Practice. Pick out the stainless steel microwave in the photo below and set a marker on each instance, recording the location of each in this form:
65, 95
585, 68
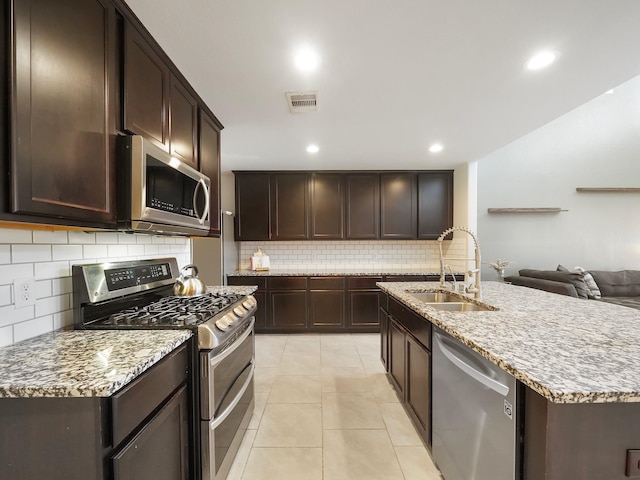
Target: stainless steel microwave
158, 193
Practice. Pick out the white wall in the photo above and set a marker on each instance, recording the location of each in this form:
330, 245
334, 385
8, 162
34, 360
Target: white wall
595, 145
48, 256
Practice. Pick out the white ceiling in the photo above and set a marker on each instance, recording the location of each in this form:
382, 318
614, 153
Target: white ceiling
395, 76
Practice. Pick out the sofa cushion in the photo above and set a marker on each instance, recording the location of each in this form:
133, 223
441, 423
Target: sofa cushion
592, 286
625, 283
572, 278
561, 288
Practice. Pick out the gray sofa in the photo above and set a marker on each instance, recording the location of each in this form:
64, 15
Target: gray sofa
620, 288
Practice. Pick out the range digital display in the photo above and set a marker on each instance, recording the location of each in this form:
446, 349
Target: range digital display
119, 278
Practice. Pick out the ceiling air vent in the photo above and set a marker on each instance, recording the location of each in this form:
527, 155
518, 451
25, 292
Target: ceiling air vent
302, 101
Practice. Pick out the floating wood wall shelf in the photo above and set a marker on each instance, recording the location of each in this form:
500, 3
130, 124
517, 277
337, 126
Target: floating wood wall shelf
526, 210
609, 189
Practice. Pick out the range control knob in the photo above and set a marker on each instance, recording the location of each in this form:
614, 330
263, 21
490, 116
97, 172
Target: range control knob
240, 311
230, 318
249, 303
222, 324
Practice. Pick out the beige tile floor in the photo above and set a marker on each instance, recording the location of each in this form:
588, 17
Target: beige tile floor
325, 411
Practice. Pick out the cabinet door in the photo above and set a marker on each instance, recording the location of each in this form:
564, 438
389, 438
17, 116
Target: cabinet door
362, 202
146, 89
418, 388
327, 206
289, 206
209, 154
160, 450
183, 123
398, 206
63, 115
288, 309
326, 308
261, 311
363, 308
397, 356
253, 213
435, 204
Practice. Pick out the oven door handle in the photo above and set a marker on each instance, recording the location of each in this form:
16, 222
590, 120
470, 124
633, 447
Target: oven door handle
227, 411
236, 344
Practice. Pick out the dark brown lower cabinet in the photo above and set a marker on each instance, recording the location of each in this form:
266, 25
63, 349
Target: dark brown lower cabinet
397, 360
288, 302
418, 387
363, 304
139, 433
166, 432
326, 302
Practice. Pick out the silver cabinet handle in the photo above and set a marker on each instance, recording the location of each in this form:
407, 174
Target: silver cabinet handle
470, 370
222, 417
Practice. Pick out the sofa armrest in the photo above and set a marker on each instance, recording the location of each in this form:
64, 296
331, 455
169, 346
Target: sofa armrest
543, 284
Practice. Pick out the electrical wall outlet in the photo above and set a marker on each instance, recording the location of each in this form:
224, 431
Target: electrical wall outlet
24, 292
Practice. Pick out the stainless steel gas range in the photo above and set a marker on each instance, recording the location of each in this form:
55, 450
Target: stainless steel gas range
139, 295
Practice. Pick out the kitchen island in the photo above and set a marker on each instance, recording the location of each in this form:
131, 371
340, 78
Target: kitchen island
576, 361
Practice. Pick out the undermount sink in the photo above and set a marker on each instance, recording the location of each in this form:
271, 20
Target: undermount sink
459, 307
435, 297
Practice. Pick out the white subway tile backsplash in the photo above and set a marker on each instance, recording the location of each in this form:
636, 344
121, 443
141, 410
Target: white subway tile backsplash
51, 305
61, 285
151, 249
5, 254
50, 237
67, 252
10, 315
32, 328
117, 250
81, 237
30, 253
142, 239
5, 295
52, 270
8, 235
94, 251
126, 238
43, 289
63, 319
138, 250
107, 238
6, 336
9, 272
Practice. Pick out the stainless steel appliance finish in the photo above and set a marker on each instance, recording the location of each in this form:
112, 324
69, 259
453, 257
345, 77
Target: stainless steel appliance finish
475, 433
139, 295
158, 193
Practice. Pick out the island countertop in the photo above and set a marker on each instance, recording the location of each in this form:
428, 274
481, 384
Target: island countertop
82, 363
568, 350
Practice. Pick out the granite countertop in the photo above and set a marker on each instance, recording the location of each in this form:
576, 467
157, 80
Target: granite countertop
82, 363
567, 349
241, 290
311, 272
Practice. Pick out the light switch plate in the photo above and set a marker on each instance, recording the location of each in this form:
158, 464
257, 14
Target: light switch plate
24, 292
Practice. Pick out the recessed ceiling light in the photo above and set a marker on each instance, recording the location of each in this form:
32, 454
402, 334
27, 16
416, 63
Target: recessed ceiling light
306, 59
542, 59
313, 149
435, 148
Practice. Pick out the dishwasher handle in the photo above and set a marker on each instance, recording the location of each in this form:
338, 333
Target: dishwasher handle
470, 370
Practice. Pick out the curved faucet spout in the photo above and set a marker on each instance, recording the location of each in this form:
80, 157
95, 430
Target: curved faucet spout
475, 289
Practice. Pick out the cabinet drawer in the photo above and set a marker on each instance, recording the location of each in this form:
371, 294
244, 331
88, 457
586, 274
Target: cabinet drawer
404, 278
326, 283
134, 403
362, 283
416, 325
288, 283
261, 282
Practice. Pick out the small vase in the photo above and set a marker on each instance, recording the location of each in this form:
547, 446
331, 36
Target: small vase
500, 275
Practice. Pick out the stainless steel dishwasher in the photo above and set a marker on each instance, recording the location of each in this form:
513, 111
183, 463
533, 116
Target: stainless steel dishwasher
475, 434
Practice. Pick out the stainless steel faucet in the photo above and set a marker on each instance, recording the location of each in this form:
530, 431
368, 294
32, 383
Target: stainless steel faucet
471, 288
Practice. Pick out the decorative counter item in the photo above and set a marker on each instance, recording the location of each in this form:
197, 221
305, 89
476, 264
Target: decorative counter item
499, 266
259, 261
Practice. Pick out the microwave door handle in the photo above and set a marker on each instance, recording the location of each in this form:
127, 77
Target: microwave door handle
203, 217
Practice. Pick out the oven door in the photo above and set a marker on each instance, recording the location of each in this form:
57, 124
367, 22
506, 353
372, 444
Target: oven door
227, 403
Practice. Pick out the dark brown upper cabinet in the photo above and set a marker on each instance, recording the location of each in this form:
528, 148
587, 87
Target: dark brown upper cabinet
289, 206
362, 203
209, 154
435, 204
398, 206
147, 81
253, 210
327, 206
156, 104
62, 118
183, 124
